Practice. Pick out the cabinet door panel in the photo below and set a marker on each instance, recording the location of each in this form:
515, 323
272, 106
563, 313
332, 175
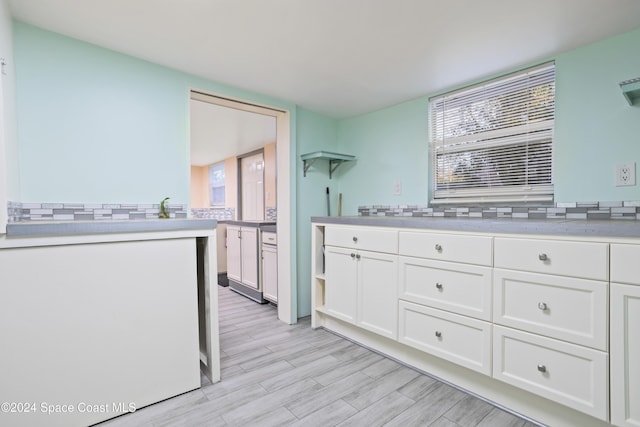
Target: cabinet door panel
569, 309
377, 293
458, 339
270, 273
625, 267
249, 237
460, 288
341, 277
365, 238
625, 355
569, 374
234, 256
587, 260
468, 249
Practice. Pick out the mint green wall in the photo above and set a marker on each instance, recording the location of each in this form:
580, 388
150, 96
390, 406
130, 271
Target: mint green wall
99, 126
10, 176
315, 132
595, 126
595, 129
390, 145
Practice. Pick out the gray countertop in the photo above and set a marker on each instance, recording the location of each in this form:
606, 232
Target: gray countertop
59, 228
584, 228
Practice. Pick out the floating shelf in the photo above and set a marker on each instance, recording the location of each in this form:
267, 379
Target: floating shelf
335, 160
631, 90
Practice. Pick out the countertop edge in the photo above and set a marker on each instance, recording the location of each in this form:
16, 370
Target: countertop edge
561, 227
66, 228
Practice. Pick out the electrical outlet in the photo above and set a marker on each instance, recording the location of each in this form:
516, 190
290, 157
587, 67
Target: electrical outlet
397, 188
625, 174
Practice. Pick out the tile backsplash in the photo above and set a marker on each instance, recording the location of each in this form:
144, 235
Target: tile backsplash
628, 210
221, 214
88, 211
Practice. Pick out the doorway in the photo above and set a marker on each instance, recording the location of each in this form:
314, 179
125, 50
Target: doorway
287, 309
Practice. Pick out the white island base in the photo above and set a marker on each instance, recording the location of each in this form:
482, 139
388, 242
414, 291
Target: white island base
96, 326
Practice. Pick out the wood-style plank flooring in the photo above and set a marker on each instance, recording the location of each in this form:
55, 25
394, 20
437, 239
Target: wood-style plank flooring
274, 374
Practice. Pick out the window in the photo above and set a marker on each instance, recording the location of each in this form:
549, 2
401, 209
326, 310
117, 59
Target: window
492, 142
216, 185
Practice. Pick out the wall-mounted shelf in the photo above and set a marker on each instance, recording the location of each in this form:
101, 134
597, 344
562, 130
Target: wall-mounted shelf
631, 90
335, 160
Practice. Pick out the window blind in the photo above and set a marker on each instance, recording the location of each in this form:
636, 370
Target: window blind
494, 141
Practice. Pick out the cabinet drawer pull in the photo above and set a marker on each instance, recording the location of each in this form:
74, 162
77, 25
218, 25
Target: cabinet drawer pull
438, 334
542, 368
355, 239
542, 306
439, 286
358, 256
543, 257
353, 255
438, 247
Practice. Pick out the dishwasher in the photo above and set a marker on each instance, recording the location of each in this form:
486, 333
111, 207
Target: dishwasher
270, 266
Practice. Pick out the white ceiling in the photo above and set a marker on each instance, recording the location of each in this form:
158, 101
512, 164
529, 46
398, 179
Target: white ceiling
218, 133
337, 57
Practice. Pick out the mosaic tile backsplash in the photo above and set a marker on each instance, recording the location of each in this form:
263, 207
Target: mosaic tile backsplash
88, 211
629, 210
220, 214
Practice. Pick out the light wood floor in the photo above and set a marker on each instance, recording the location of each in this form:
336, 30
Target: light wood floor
279, 375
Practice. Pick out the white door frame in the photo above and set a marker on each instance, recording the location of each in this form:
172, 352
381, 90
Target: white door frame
287, 294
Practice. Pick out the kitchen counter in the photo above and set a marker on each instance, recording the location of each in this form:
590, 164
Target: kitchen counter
564, 227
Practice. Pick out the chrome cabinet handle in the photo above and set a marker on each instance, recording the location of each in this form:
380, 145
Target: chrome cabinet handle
542, 306
358, 256
438, 248
439, 286
543, 257
542, 368
438, 334
355, 239
353, 255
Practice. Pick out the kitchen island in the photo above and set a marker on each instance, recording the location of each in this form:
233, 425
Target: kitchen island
100, 318
537, 316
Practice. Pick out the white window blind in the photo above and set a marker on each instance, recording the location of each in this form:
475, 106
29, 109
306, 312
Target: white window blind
493, 142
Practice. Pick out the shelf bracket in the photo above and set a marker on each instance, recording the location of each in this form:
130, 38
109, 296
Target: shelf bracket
631, 90
333, 165
306, 164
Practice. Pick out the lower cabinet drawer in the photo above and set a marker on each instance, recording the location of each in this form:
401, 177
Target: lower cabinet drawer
460, 288
569, 374
458, 339
574, 310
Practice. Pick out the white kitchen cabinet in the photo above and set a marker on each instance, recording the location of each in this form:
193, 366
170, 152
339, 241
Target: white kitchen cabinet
361, 284
540, 293
532, 317
625, 354
269, 267
243, 266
